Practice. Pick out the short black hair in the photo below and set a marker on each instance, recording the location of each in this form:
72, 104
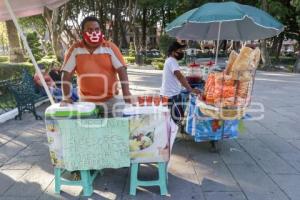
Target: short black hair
174, 47
89, 19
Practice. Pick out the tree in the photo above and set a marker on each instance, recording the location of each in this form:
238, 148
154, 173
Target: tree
35, 45
164, 43
15, 50
38, 25
266, 60
296, 4
3, 38
56, 22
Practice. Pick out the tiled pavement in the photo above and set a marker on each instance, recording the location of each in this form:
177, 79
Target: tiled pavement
262, 164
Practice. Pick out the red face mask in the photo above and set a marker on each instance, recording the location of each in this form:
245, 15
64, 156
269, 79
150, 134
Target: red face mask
94, 37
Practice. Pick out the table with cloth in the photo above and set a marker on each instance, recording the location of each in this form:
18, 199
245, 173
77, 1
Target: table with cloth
78, 140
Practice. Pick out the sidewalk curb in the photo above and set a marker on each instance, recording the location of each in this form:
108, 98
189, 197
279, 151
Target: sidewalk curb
11, 114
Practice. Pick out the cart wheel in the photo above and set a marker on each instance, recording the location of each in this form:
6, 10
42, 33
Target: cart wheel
214, 148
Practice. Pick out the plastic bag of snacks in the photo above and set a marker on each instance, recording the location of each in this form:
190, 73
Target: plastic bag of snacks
227, 94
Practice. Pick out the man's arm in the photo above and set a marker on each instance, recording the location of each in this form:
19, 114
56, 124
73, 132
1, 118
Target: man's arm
184, 82
66, 78
123, 77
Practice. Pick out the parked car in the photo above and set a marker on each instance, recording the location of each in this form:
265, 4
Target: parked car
153, 53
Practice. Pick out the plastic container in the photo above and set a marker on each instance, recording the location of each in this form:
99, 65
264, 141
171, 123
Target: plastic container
194, 73
78, 109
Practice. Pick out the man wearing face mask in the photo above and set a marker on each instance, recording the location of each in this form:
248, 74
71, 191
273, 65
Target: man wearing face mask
173, 80
98, 64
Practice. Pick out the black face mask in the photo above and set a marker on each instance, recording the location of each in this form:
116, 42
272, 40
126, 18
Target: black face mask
178, 55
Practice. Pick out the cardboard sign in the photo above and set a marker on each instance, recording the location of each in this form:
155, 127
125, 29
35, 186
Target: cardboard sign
95, 143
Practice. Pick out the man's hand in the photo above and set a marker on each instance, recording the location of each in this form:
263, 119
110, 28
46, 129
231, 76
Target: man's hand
128, 98
65, 102
196, 91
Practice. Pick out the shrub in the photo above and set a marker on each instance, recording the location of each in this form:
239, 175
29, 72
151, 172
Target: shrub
35, 45
161, 59
14, 70
4, 58
47, 61
148, 61
158, 65
129, 59
131, 50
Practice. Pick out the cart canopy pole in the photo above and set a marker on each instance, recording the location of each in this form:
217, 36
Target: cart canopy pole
218, 42
29, 51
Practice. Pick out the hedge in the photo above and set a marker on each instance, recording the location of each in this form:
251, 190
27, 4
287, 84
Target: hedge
149, 61
158, 65
129, 59
3, 59
14, 70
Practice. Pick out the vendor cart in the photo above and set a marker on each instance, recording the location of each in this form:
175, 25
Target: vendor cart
203, 128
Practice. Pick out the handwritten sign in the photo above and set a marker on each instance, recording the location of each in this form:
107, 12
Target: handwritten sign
95, 143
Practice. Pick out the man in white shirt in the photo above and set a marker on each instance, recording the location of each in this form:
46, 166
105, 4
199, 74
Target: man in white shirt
173, 80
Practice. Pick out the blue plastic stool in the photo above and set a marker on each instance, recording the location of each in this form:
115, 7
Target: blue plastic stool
87, 179
161, 181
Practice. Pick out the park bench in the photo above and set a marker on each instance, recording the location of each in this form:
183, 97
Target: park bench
26, 95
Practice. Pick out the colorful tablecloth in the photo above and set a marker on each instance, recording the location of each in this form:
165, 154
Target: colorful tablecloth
204, 128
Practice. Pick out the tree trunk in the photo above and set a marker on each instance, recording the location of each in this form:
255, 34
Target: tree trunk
236, 45
124, 43
132, 12
281, 38
15, 50
136, 39
115, 32
297, 65
144, 28
163, 21
55, 21
265, 56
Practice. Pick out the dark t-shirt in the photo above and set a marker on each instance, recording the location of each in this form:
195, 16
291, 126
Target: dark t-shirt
56, 76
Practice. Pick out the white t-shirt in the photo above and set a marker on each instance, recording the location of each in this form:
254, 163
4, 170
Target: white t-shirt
170, 84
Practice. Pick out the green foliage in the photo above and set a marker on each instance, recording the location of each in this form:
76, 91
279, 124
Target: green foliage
149, 61
34, 23
35, 45
129, 59
49, 48
14, 70
3, 35
164, 43
283, 60
158, 65
131, 50
4, 59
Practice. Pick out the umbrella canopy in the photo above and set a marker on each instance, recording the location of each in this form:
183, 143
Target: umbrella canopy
234, 21
24, 8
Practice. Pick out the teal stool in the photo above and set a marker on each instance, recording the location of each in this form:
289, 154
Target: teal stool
86, 176
161, 181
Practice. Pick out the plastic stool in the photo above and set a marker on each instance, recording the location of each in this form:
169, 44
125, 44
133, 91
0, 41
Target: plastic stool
161, 181
86, 181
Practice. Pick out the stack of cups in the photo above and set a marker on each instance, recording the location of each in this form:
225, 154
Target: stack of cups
152, 100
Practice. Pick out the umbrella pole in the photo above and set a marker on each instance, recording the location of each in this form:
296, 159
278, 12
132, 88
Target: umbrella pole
29, 51
218, 42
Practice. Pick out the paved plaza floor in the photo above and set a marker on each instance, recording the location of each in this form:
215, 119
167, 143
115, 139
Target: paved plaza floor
262, 164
